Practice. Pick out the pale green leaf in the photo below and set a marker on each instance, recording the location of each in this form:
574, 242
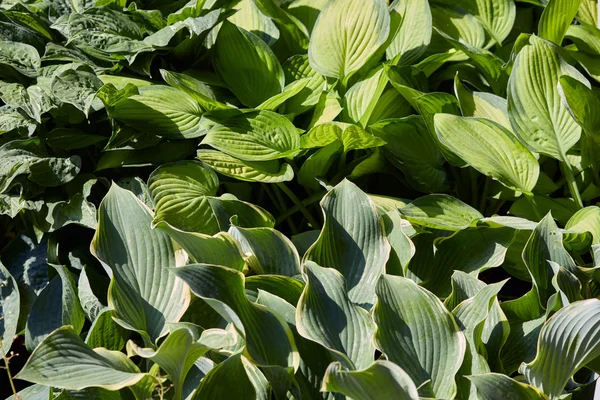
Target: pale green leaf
413, 33
352, 241
252, 171
497, 16
582, 103
381, 380
440, 211
586, 220
346, 35
63, 360
489, 148
492, 386
416, 332
556, 18
482, 105
327, 316
9, 310
143, 293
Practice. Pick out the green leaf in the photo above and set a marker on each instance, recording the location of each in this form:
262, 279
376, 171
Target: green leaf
9, 311
106, 333
180, 350
409, 146
269, 340
327, 316
267, 251
19, 57
536, 113
413, 33
318, 164
416, 332
556, 18
568, 341
352, 241
482, 105
496, 16
251, 384
489, 148
71, 139
582, 104
360, 100
179, 191
402, 248
164, 152
201, 92
440, 211
545, 245
381, 380
250, 18
161, 110
346, 35
77, 88
220, 249
255, 136
586, 220
57, 305
491, 386
62, 360
251, 171
247, 65
131, 252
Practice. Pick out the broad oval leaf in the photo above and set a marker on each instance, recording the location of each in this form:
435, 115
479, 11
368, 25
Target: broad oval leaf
63, 360
162, 110
556, 18
352, 241
414, 33
346, 35
252, 171
255, 136
440, 211
489, 148
492, 386
247, 65
536, 113
582, 104
381, 380
143, 292
416, 332
568, 341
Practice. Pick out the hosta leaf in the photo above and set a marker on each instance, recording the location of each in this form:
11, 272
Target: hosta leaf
482, 105
402, 248
255, 136
491, 386
106, 333
416, 332
464, 286
251, 384
77, 88
457, 24
289, 289
568, 341
247, 65
352, 241
291, 90
536, 113
195, 88
180, 350
251, 171
327, 108
327, 316
582, 104
544, 246
162, 110
586, 220
414, 33
56, 305
497, 16
63, 360
360, 100
381, 380
220, 249
317, 165
440, 211
179, 192
588, 12
19, 57
143, 292
9, 310
409, 146
269, 340
556, 18
346, 35
489, 148
267, 251
250, 18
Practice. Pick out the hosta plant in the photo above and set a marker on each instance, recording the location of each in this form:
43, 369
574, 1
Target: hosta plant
307, 199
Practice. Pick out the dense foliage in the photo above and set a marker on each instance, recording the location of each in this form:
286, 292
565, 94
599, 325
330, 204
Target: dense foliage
308, 199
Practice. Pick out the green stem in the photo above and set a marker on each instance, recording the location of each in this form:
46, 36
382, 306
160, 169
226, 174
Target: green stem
531, 200
306, 202
568, 172
7, 368
314, 223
